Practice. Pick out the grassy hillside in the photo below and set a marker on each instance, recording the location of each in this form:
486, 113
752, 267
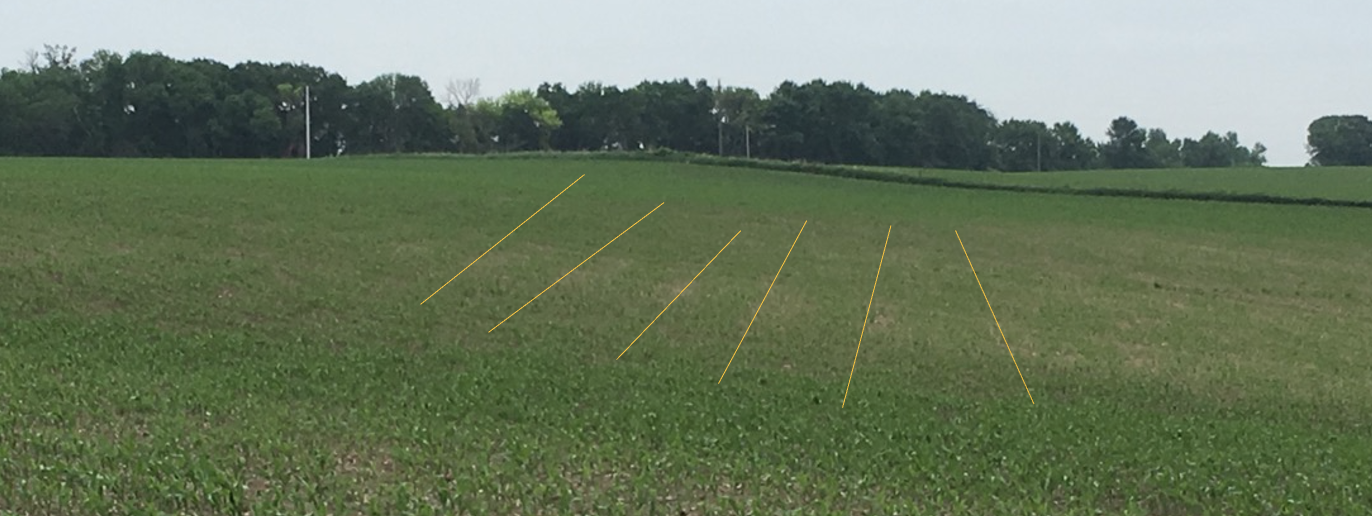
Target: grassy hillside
229, 337
1338, 183
1327, 186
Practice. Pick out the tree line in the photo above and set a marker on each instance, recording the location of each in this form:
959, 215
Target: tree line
149, 104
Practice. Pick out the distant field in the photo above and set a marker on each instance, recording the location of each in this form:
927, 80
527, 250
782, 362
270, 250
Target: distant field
231, 337
1338, 183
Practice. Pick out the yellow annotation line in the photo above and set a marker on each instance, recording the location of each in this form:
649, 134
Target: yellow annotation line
759, 305
588, 258
865, 317
502, 239
993, 317
678, 294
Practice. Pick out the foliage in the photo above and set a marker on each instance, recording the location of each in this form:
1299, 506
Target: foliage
1341, 141
523, 120
1021, 145
149, 104
1163, 152
1125, 147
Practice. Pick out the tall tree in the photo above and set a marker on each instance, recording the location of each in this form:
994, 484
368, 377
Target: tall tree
677, 115
526, 121
1125, 146
898, 129
1258, 156
739, 113
1213, 150
1209, 151
1023, 145
46, 104
397, 113
789, 111
1077, 152
1162, 151
955, 132
568, 135
1340, 140
848, 137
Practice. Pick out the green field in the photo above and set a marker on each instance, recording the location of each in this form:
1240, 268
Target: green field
1335, 183
234, 337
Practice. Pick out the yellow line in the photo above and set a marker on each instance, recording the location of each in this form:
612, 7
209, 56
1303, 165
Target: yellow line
993, 317
865, 317
502, 239
678, 294
588, 258
759, 305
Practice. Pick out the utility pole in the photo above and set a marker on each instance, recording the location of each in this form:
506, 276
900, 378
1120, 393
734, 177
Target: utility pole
1038, 151
308, 138
719, 119
390, 131
748, 140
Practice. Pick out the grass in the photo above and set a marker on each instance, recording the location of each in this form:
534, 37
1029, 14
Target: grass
214, 337
1336, 183
1317, 186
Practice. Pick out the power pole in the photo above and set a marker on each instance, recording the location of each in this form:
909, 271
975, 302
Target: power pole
390, 131
719, 120
1038, 151
748, 140
308, 137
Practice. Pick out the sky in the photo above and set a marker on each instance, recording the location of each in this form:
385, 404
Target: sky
1262, 68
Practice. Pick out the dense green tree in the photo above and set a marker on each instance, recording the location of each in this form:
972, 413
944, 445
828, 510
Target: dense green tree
1076, 152
898, 127
618, 124
1023, 145
594, 117
1257, 157
1213, 150
527, 121
848, 137
1241, 155
955, 132
46, 105
1207, 152
397, 113
789, 111
463, 126
569, 110
482, 119
675, 115
169, 106
1125, 146
1340, 140
248, 125
1162, 152
827, 122
103, 112
149, 104
329, 120
11, 109
739, 112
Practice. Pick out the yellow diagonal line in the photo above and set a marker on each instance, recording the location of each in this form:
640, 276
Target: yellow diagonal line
865, 317
993, 317
678, 294
759, 305
502, 239
588, 258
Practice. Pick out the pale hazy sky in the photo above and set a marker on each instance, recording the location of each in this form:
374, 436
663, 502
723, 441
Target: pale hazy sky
1263, 68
